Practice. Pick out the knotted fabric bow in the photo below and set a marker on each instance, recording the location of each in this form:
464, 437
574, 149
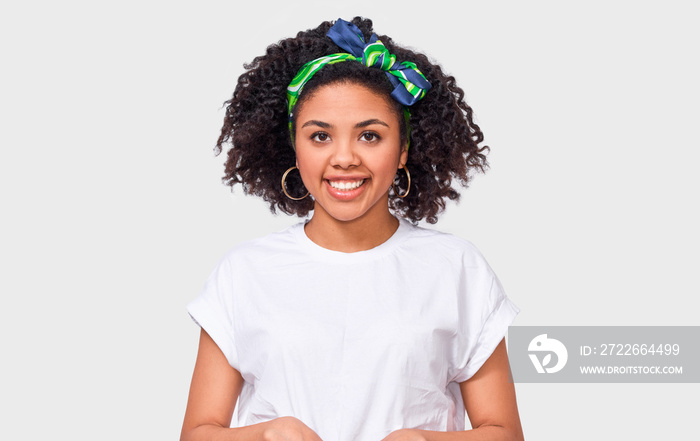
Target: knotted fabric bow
409, 83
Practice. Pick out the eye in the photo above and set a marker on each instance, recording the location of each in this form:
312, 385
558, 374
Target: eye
370, 137
320, 137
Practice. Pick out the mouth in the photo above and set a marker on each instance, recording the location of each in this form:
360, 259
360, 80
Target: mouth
346, 185
346, 189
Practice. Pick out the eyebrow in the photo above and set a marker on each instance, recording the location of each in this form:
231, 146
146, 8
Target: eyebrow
325, 125
370, 122
314, 122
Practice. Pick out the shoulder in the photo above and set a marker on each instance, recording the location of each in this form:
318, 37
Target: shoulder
262, 249
445, 247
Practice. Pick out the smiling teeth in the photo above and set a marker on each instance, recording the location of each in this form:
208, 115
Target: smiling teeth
346, 185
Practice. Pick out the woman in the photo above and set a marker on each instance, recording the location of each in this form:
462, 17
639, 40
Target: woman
355, 325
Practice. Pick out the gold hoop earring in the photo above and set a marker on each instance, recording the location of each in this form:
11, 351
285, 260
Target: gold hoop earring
284, 185
408, 187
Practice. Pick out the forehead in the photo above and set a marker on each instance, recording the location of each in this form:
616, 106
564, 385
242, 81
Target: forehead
346, 101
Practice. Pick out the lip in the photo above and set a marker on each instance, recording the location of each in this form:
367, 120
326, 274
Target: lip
345, 195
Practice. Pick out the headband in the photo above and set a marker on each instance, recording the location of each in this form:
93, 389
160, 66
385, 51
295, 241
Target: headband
409, 83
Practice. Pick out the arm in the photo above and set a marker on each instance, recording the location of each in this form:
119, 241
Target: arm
489, 398
213, 394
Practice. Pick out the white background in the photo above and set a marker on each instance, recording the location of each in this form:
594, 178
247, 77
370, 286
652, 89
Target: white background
113, 213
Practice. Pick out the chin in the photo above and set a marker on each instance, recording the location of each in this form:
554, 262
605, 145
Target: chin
346, 217
341, 214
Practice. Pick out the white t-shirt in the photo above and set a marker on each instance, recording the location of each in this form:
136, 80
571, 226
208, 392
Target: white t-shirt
355, 345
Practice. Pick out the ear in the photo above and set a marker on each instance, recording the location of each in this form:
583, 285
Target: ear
403, 157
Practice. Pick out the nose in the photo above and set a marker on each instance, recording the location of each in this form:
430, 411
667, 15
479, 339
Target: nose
344, 154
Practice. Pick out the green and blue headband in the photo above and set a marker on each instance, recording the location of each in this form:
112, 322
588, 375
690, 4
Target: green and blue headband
409, 83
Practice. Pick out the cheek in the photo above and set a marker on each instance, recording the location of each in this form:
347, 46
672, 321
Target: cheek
385, 171
390, 172
308, 167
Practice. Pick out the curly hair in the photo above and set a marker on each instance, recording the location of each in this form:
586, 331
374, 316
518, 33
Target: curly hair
444, 140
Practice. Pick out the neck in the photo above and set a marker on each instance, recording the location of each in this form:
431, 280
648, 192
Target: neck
358, 234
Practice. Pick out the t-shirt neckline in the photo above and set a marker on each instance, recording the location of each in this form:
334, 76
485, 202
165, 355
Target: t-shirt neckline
327, 255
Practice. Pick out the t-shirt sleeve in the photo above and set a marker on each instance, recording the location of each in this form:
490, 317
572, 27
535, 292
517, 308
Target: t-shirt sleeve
484, 319
213, 309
